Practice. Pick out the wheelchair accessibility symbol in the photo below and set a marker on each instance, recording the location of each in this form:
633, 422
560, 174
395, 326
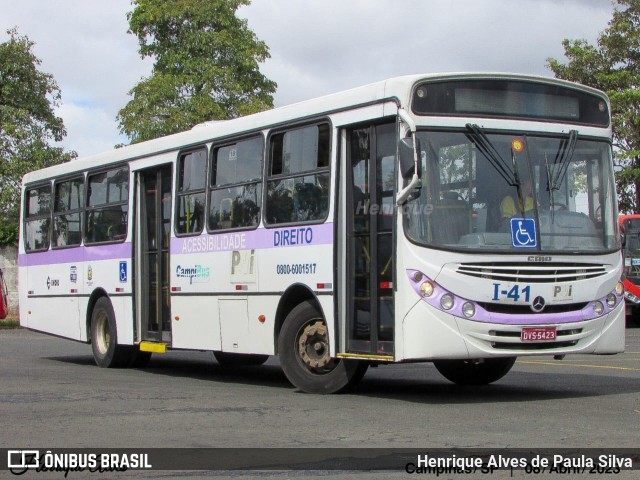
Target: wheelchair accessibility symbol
123, 272
523, 232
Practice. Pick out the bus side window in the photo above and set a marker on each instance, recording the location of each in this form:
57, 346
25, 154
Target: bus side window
298, 184
107, 206
67, 212
190, 197
236, 185
37, 225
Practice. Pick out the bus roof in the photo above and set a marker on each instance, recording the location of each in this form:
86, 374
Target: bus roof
396, 89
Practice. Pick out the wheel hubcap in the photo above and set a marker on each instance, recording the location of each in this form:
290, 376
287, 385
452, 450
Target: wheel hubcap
313, 347
102, 333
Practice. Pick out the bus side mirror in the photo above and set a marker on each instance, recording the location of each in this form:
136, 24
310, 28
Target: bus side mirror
407, 158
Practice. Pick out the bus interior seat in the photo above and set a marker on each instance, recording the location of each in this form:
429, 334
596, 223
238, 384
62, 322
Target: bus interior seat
225, 213
450, 218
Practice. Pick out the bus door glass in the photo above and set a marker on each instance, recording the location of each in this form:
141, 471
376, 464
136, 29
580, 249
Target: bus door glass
154, 228
370, 213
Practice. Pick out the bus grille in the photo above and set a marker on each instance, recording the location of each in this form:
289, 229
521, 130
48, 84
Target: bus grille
526, 309
542, 273
534, 346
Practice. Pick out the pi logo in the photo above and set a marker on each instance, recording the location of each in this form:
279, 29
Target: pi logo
523, 232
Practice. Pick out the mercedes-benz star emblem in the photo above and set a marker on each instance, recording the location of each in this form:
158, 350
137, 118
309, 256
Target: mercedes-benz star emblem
538, 304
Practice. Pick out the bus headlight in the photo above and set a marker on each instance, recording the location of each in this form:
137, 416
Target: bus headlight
611, 300
619, 288
426, 288
468, 309
631, 297
446, 301
598, 308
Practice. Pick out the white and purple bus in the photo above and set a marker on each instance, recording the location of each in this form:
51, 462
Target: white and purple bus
459, 219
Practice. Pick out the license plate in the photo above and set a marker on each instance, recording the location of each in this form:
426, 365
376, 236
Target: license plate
538, 334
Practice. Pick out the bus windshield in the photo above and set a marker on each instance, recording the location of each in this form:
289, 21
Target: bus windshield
478, 188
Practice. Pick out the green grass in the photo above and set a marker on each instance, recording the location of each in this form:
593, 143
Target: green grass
12, 321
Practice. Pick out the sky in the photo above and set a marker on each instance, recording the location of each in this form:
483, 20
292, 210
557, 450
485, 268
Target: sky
317, 47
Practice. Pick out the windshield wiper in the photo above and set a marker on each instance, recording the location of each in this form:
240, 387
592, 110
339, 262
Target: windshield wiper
562, 160
480, 139
510, 175
550, 189
521, 200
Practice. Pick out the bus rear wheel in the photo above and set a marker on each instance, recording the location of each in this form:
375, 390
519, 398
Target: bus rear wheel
475, 372
104, 337
303, 348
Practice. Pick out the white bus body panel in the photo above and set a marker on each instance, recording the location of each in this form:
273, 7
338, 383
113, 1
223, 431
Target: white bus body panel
58, 294
224, 283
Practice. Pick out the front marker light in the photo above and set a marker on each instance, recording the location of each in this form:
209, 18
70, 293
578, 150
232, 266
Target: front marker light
446, 301
598, 308
468, 309
619, 288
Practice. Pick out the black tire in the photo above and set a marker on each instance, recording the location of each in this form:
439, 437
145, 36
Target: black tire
303, 349
229, 359
104, 337
475, 372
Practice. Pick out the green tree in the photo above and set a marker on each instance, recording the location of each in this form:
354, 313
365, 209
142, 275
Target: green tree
27, 125
613, 65
206, 67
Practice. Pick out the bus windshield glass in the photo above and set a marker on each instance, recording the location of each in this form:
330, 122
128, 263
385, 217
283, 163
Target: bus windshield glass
483, 191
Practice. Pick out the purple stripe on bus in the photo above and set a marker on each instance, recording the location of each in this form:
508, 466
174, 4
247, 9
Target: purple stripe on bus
75, 255
255, 239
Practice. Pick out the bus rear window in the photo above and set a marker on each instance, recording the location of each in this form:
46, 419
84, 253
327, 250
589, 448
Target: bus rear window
510, 99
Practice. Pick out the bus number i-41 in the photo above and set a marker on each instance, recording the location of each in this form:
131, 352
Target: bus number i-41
514, 292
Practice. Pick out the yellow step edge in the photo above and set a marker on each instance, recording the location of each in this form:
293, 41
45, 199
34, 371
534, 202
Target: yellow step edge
153, 347
366, 356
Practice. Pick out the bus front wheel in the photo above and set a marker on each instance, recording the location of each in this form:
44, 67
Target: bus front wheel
104, 337
475, 372
303, 348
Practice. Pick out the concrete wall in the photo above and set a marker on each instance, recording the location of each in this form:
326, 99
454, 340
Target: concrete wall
9, 266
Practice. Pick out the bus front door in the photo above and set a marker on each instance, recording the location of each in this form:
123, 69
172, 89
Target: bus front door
152, 247
370, 184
